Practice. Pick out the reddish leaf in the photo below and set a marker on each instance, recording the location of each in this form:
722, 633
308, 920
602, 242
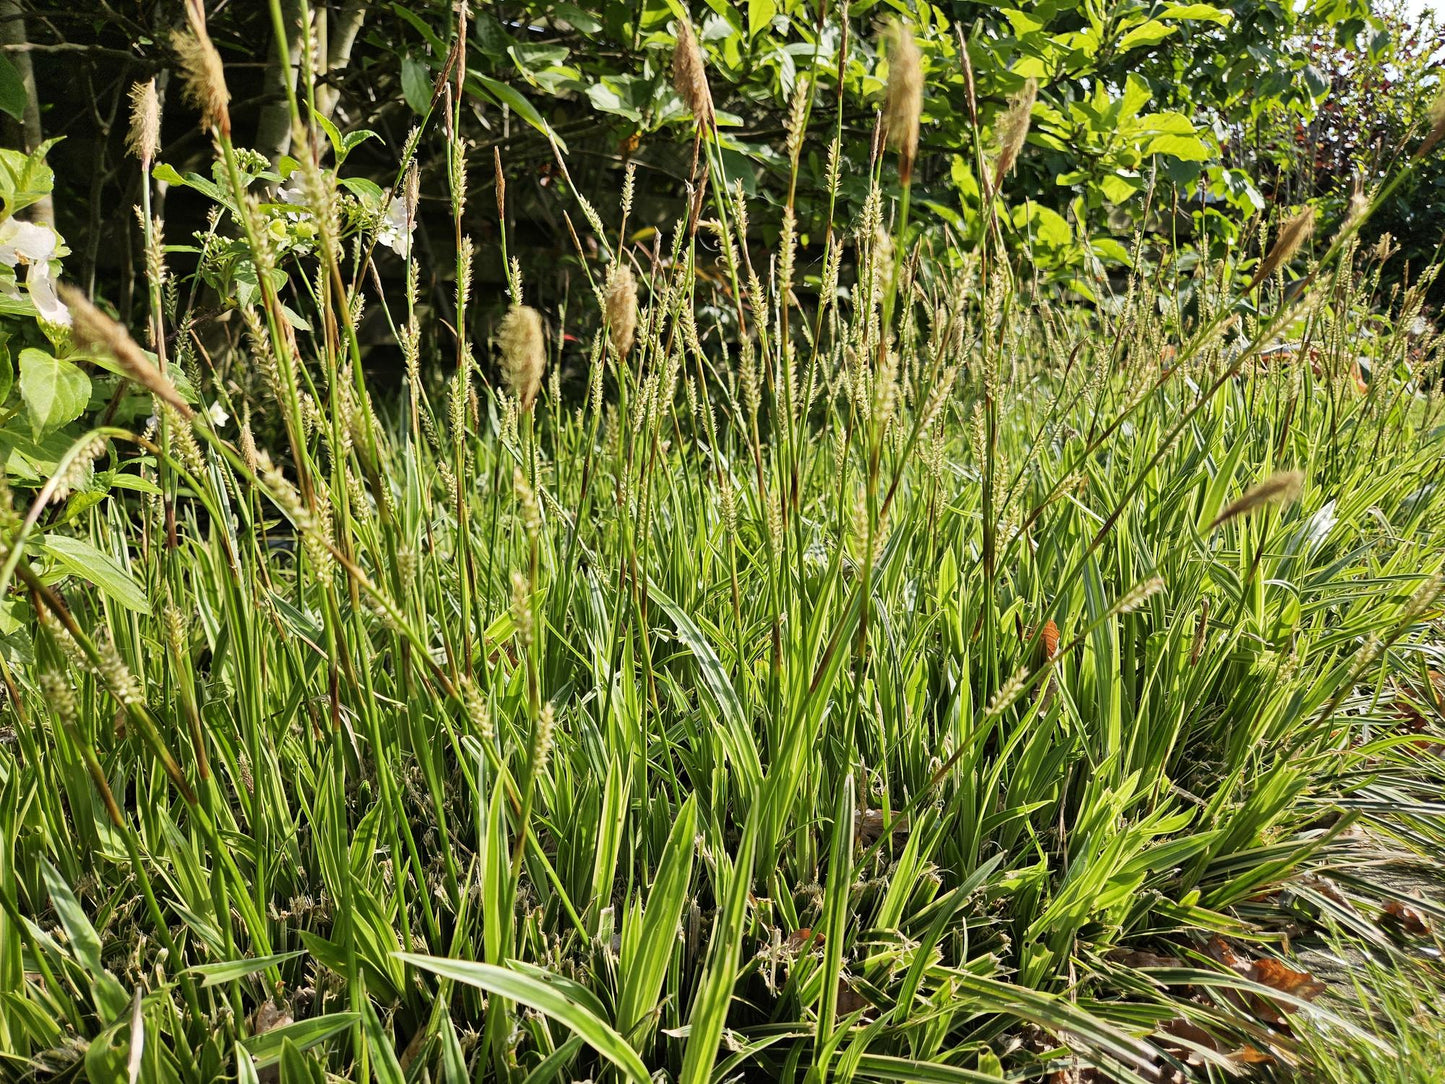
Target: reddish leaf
1406, 919
1300, 984
805, 937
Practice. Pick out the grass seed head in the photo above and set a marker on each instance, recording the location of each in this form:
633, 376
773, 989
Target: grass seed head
117, 675
56, 691
1292, 236
76, 470
524, 356
621, 308
202, 72
689, 75
903, 103
144, 137
95, 329
1277, 489
1013, 130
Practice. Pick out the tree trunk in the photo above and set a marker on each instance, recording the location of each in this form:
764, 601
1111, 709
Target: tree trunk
336, 30
12, 32
273, 129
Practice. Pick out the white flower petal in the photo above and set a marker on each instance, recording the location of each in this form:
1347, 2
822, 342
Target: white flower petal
42, 294
26, 241
395, 231
218, 416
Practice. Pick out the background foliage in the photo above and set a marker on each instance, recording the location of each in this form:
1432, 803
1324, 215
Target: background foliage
1186, 119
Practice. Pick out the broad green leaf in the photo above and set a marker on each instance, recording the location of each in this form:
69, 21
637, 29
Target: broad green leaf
1151, 33
7, 371
1118, 189
760, 15
1198, 13
1189, 148
416, 84
12, 90
368, 189
81, 559
55, 391
1045, 225
25, 178
545, 999
333, 135
517, 103
110, 997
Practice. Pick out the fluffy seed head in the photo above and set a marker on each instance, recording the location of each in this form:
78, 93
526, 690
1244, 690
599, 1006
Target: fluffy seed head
621, 308
904, 100
201, 70
95, 329
59, 695
75, 469
1293, 234
1277, 489
546, 721
1139, 595
117, 675
144, 137
524, 355
1013, 129
689, 75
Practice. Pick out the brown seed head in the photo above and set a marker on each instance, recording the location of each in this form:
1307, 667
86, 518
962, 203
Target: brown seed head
1294, 233
689, 75
1013, 129
144, 137
524, 355
1277, 489
201, 69
904, 100
94, 329
621, 308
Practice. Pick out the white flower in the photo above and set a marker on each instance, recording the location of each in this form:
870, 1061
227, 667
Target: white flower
217, 415
293, 192
42, 295
395, 231
25, 242
34, 245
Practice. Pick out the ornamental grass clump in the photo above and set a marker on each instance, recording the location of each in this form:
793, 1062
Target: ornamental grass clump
855, 665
